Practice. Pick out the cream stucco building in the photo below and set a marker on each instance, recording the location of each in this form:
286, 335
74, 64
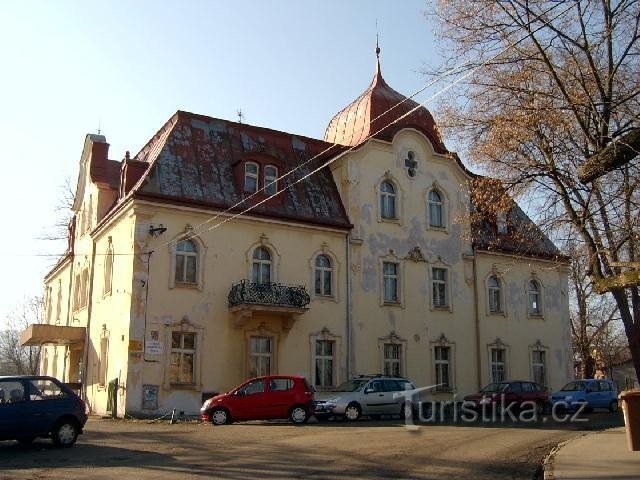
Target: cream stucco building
223, 251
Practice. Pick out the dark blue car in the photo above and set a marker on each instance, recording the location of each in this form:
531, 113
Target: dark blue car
39, 406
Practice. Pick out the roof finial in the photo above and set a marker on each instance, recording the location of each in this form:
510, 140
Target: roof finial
377, 45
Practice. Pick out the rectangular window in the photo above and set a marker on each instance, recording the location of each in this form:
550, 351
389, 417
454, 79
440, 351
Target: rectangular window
270, 180
498, 364
539, 367
183, 349
324, 363
390, 281
251, 177
443, 368
439, 284
260, 356
102, 366
393, 359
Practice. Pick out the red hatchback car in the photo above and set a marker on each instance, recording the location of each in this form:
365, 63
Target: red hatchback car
507, 393
262, 398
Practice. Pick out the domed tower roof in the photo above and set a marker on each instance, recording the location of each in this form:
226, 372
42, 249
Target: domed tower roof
373, 112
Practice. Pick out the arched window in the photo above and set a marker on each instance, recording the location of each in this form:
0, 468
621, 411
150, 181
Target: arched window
251, 171
186, 262
84, 295
323, 276
108, 270
436, 217
495, 294
261, 266
387, 200
270, 180
535, 308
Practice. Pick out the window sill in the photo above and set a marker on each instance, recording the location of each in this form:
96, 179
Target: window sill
397, 221
437, 228
183, 386
498, 314
389, 303
442, 308
536, 316
195, 286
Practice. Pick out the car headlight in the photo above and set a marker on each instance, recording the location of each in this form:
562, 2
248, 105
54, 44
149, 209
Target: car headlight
205, 405
484, 401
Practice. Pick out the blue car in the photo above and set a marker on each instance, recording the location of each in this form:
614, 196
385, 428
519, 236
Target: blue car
594, 393
39, 406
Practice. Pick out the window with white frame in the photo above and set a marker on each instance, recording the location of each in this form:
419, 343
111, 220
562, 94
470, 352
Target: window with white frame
270, 180
324, 373
186, 269
251, 171
183, 351
539, 367
388, 200
392, 359
260, 355
436, 214
498, 364
108, 270
390, 282
323, 272
261, 266
442, 362
535, 308
494, 288
439, 287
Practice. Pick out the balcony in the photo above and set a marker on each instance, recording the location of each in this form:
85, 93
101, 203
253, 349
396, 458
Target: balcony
44, 333
286, 302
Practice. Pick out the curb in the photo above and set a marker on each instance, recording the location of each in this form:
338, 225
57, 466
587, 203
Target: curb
547, 463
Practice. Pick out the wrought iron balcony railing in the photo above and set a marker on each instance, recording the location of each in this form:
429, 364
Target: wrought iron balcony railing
246, 292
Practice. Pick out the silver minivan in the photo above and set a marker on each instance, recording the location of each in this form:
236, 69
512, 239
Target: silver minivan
371, 395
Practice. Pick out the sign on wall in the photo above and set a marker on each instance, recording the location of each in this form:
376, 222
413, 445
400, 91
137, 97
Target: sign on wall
153, 345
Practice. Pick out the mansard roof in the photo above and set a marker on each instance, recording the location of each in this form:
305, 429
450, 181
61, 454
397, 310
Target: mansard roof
199, 160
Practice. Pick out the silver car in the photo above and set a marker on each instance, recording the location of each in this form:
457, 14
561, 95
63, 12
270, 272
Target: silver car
371, 395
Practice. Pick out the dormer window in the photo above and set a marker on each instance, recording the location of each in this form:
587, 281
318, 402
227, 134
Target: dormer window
270, 180
251, 171
501, 223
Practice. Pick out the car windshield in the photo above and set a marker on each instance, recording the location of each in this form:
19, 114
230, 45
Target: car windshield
352, 385
574, 386
494, 387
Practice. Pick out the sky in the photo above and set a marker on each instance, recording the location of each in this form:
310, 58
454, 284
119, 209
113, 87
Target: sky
124, 67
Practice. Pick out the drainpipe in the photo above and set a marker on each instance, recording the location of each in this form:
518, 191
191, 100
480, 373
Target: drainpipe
348, 302
88, 332
477, 322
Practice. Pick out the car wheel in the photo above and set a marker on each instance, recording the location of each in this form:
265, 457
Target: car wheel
220, 416
26, 440
541, 408
299, 414
613, 406
65, 434
352, 412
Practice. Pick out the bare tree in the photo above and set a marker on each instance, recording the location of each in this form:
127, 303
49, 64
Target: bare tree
14, 358
556, 83
63, 213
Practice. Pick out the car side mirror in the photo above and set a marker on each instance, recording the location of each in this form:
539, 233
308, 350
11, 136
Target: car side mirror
238, 393
368, 390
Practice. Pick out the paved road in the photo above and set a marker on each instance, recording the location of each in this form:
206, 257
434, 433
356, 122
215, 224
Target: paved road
385, 449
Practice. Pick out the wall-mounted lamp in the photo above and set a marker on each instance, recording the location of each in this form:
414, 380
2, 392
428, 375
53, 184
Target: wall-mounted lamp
156, 231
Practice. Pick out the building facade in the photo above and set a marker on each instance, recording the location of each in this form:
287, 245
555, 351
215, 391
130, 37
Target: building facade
223, 251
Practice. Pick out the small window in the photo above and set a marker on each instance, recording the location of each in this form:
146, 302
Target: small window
324, 363
387, 200
439, 287
261, 266
495, 294
390, 282
436, 217
108, 271
186, 262
323, 276
280, 384
183, 350
270, 180
251, 388
411, 164
251, 177
43, 389
443, 368
498, 364
534, 298
393, 359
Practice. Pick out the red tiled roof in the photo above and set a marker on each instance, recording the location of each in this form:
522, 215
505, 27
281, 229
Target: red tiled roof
378, 106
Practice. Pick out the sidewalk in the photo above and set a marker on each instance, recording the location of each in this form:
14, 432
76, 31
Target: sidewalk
595, 455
